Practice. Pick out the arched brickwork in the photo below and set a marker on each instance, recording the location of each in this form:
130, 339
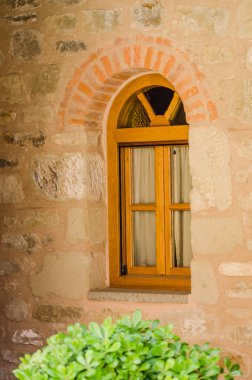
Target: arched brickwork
104, 72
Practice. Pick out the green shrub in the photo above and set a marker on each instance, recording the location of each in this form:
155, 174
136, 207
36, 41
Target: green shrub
130, 348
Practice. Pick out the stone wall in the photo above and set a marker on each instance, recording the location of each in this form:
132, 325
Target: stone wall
61, 61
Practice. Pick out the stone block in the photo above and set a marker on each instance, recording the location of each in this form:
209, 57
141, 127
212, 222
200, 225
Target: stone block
239, 312
244, 149
246, 202
97, 270
63, 275
101, 20
8, 163
244, 18
57, 313
215, 236
6, 116
11, 88
7, 268
38, 219
97, 219
26, 45
216, 54
24, 139
202, 20
68, 2
70, 46
242, 335
64, 23
11, 357
240, 103
27, 243
70, 138
21, 19
235, 269
46, 81
147, 14
28, 337
39, 113
2, 334
77, 224
11, 190
209, 164
249, 59
16, 310
70, 176
204, 283
23, 3
242, 290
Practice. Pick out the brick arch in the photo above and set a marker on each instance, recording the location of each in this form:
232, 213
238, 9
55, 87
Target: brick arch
96, 80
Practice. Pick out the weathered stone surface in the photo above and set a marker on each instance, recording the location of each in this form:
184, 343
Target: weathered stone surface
242, 176
22, 18
235, 269
10, 357
63, 23
215, 236
57, 313
246, 202
46, 81
7, 268
97, 20
23, 3
34, 219
209, 162
26, 44
72, 280
240, 104
6, 374
39, 113
249, 245
7, 116
244, 19
204, 283
68, 2
29, 336
16, 310
97, 219
2, 333
244, 149
72, 175
77, 224
11, 190
23, 139
1, 57
198, 20
215, 54
239, 313
70, 46
147, 13
249, 59
97, 270
27, 243
242, 335
242, 290
11, 88
8, 163
70, 138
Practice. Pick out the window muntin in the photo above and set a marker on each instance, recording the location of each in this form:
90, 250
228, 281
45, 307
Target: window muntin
128, 269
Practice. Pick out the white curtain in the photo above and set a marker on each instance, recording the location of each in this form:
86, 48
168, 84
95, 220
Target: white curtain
144, 222
181, 220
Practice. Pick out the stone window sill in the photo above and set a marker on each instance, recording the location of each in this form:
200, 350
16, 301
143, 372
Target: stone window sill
135, 295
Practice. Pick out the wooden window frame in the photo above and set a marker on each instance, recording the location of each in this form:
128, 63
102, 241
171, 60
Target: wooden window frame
160, 134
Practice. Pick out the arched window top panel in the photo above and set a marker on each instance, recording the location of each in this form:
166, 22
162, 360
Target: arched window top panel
152, 105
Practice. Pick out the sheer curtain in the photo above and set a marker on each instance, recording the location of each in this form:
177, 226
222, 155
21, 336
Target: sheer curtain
181, 186
144, 222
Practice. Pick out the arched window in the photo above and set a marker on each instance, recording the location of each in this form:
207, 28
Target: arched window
149, 186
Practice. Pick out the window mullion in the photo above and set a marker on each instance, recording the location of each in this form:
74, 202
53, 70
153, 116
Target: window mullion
167, 208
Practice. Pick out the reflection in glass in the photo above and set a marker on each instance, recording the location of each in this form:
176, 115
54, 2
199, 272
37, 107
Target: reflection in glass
181, 239
181, 182
144, 238
159, 98
143, 167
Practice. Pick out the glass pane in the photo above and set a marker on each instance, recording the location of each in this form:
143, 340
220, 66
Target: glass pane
133, 115
180, 117
143, 174
181, 238
159, 98
144, 238
181, 181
